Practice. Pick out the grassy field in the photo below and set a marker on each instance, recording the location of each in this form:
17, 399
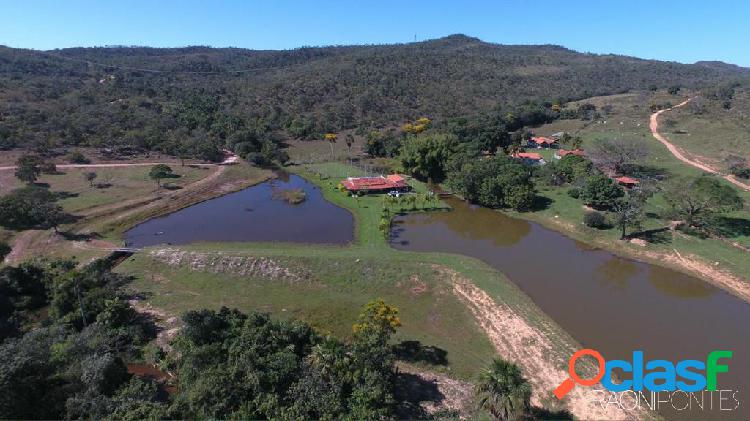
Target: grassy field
711, 133
628, 118
130, 197
337, 281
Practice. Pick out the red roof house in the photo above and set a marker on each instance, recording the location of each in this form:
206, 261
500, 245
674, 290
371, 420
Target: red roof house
542, 142
529, 158
627, 181
562, 153
376, 184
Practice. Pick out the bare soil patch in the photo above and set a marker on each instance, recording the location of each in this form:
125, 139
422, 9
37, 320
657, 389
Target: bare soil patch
518, 341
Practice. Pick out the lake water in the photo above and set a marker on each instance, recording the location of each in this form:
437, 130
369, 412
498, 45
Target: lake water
252, 214
605, 302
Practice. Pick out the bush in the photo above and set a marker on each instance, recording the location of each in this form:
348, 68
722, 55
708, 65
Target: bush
574, 192
77, 157
48, 168
595, 220
600, 192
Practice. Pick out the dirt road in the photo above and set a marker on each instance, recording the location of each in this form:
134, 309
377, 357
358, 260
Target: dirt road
230, 159
674, 150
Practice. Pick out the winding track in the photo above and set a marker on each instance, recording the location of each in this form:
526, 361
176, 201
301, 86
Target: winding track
674, 150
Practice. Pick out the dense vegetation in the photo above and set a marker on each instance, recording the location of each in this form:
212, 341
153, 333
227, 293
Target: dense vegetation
66, 335
195, 101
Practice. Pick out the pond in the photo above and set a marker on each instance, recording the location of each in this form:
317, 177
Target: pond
258, 213
605, 302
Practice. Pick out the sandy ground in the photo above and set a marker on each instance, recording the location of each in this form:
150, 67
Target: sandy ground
679, 154
517, 341
455, 395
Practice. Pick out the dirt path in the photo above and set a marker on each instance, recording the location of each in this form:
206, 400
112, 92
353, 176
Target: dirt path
679, 154
20, 246
516, 340
230, 159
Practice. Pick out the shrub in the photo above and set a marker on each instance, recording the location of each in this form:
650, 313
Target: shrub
574, 192
600, 192
595, 220
76, 157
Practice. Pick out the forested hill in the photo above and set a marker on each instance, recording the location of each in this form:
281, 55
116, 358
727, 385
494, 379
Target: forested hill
137, 95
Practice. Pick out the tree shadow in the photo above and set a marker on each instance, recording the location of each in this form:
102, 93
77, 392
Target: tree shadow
538, 413
727, 226
654, 236
415, 352
410, 390
72, 236
645, 171
540, 203
65, 195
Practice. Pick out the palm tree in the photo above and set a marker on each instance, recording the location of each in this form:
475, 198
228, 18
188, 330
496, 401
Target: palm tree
503, 392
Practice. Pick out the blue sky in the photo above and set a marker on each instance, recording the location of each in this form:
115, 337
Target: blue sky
685, 31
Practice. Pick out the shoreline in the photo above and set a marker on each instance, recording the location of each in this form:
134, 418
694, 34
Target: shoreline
722, 279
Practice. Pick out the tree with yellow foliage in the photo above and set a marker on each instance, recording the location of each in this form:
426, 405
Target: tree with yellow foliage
424, 121
331, 139
377, 317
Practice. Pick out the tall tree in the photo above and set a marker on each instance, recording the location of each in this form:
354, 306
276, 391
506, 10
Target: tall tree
628, 212
159, 172
695, 200
28, 168
90, 176
617, 155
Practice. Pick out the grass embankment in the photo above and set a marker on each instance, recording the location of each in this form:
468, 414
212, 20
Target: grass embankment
337, 281
628, 118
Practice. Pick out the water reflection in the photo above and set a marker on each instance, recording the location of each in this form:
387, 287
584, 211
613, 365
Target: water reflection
616, 272
252, 215
608, 303
682, 286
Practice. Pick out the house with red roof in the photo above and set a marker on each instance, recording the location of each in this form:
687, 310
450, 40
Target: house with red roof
627, 182
381, 184
562, 153
529, 158
542, 142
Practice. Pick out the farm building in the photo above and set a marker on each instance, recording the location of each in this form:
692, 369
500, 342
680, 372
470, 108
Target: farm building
529, 158
381, 184
542, 142
562, 153
627, 182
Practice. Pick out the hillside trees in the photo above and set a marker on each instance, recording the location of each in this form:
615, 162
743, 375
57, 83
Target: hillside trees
50, 101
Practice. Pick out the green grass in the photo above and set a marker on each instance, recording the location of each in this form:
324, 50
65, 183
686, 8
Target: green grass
629, 118
338, 281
